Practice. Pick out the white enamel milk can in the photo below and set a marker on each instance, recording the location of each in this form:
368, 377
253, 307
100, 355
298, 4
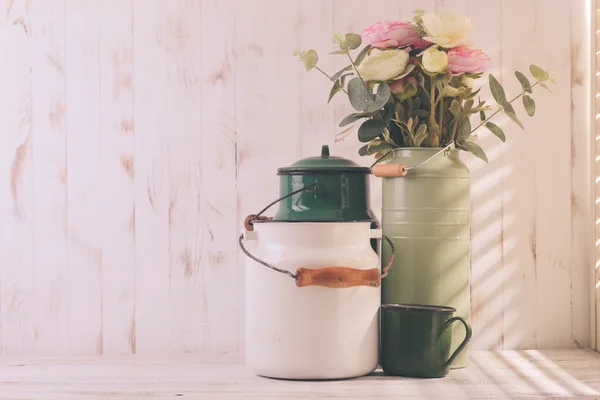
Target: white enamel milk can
313, 282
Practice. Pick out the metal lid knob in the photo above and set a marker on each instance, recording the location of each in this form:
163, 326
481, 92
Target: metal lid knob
325, 151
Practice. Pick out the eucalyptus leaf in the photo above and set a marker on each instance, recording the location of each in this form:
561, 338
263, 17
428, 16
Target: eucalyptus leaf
381, 98
539, 73
449, 91
365, 151
474, 149
529, 105
354, 117
310, 59
353, 40
422, 113
339, 52
496, 130
361, 56
542, 84
359, 96
334, 89
482, 115
464, 128
524, 82
421, 135
343, 79
510, 111
370, 129
345, 47
497, 91
455, 108
337, 75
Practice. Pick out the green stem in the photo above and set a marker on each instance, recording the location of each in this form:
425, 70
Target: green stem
441, 119
358, 73
327, 75
455, 125
432, 99
501, 108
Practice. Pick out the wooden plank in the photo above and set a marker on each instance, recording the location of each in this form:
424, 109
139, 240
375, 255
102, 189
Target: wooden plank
582, 215
117, 188
16, 181
267, 116
491, 375
50, 280
317, 127
458, 7
553, 190
220, 273
180, 49
520, 237
152, 191
486, 195
83, 177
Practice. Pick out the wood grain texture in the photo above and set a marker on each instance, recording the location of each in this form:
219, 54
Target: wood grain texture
487, 300
84, 169
51, 313
16, 182
117, 127
152, 191
219, 262
532, 374
136, 135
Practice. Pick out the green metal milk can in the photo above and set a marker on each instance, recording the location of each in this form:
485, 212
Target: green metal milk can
426, 214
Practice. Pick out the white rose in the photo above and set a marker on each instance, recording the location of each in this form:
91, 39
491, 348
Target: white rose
446, 30
383, 65
435, 61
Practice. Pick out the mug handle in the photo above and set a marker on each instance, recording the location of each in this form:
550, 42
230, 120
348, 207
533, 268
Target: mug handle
464, 342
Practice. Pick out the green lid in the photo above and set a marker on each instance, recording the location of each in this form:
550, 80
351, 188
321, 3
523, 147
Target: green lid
323, 164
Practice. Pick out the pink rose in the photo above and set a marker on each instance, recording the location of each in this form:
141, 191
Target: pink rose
464, 59
385, 34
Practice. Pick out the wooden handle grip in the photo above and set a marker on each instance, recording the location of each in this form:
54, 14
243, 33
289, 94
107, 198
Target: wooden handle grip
389, 170
338, 277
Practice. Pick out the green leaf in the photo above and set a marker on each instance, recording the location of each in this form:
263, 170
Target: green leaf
421, 135
353, 40
482, 115
310, 59
468, 105
449, 91
455, 108
381, 98
361, 56
345, 47
496, 130
529, 105
510, 111
472, 94
388, 138
421, 80
474, 149
378, 145
365, 151
370, 129
343, 79
354, 117
422, 113
497, 90
339, 52
337, 75
539, 73
542, 84
464, 128
359, 96
334, 89
524, 82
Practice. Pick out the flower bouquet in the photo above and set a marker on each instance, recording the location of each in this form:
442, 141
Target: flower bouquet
412, 85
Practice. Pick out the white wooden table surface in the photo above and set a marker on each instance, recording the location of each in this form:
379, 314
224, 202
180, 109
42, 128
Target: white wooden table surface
491, 375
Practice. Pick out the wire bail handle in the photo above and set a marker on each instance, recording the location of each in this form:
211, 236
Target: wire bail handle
395, 170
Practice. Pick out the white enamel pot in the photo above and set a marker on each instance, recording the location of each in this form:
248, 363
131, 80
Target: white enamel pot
312, 299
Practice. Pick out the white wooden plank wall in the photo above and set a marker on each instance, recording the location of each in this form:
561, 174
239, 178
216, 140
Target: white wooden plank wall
136, 135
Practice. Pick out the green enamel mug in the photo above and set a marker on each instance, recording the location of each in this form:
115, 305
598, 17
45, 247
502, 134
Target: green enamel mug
416, 340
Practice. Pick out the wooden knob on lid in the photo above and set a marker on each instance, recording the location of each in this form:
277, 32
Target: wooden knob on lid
389, 170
